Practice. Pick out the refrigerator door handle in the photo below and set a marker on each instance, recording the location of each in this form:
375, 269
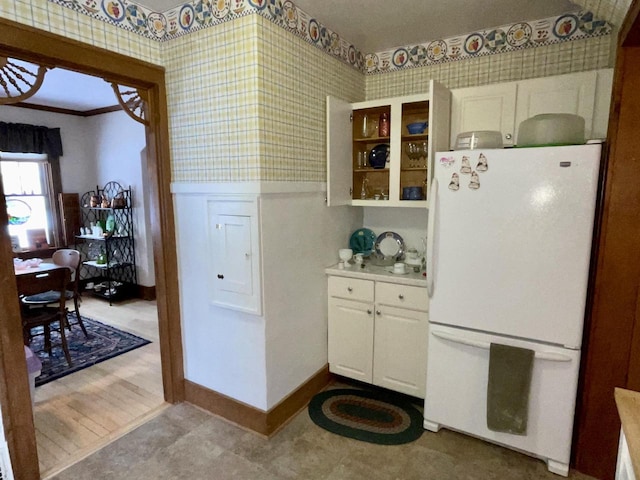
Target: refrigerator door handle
431, 225
551, 356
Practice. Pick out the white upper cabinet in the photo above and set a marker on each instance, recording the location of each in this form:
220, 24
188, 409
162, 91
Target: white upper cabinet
491, 107
399, 178
504, 106
574, 93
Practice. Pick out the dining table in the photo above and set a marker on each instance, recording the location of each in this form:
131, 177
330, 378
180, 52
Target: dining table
43, 267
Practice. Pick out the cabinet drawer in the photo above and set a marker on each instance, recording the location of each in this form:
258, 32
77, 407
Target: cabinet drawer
351, 288
404, 296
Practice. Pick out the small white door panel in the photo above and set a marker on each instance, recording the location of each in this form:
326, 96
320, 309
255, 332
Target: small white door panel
234, 242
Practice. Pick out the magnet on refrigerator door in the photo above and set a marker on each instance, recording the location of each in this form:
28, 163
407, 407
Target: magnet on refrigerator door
465, 168
474, 183
454, 184
482, 166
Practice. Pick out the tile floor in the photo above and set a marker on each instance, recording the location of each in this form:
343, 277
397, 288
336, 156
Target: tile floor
185, 442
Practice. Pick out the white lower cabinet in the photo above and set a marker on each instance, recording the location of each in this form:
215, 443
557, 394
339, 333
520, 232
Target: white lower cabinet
378, 333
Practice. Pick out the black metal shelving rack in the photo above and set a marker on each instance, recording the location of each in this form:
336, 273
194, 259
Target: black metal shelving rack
116, 279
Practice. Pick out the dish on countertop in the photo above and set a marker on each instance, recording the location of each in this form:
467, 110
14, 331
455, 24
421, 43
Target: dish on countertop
378, 155
406, 271
362, 241
389, 245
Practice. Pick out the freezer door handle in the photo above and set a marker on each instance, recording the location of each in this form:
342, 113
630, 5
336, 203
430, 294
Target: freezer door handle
551, 356
431, 225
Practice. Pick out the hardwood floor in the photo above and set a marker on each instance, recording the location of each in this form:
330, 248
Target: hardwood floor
79, 413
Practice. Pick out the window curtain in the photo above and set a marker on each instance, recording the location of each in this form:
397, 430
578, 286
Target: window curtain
23, 138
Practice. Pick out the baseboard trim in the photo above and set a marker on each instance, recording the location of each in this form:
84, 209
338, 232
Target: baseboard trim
264, 423
147, 293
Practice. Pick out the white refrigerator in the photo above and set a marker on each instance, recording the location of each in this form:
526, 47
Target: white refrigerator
508, 254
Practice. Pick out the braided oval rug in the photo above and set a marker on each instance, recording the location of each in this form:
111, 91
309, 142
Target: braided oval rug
370, 416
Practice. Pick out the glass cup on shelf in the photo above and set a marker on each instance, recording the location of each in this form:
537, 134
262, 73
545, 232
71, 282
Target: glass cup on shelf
424, 153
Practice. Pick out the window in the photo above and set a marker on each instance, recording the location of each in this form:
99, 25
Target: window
27, 184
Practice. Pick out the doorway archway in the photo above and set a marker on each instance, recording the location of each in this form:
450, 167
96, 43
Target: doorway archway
37, 46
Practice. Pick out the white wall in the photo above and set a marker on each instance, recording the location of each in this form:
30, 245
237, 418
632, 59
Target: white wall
260, 359
116, 147
77, 168
409, 223
300, 237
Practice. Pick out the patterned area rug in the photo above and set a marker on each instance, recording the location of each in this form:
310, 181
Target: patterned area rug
104, 342
375, 417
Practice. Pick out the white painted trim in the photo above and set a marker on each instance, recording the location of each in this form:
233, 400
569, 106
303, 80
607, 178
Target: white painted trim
243, 188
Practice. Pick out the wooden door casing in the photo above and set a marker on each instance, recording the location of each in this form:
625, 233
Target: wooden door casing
31, 44
611, 354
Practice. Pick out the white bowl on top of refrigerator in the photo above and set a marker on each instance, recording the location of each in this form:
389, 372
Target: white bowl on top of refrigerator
479, 139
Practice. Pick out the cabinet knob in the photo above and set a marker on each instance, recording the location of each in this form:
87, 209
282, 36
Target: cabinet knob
401, 297
378, 312
220, 276
508, 136
369, 312
349, 289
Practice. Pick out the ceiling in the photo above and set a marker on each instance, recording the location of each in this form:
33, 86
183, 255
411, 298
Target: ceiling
385, 25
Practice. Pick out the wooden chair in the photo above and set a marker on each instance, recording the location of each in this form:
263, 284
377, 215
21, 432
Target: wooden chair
43, 316
71, 259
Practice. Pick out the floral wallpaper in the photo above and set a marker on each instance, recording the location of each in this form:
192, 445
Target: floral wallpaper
198, 14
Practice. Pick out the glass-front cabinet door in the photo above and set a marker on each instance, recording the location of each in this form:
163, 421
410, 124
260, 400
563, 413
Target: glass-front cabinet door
379, 153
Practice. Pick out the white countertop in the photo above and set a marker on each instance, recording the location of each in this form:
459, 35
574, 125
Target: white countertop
381, 274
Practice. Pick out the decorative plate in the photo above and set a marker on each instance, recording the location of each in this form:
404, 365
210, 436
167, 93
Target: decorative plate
259, 4
221, 8
352, 55
335, 44
275, 9
589, 26
136, 17
362, 241
436, 50
473, 44
400, 57
454, 47
187, 14
19, 212
90, 6
314, 30
378, 155
290, 14
417, 55
371, 62
238, 6
565, 26
157, 24
114, 9
203, 12
519, 34
541, 31
325, 37
390, 245
496, 40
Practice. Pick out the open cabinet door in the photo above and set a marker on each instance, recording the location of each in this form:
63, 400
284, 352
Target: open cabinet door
70, 217
339, 152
